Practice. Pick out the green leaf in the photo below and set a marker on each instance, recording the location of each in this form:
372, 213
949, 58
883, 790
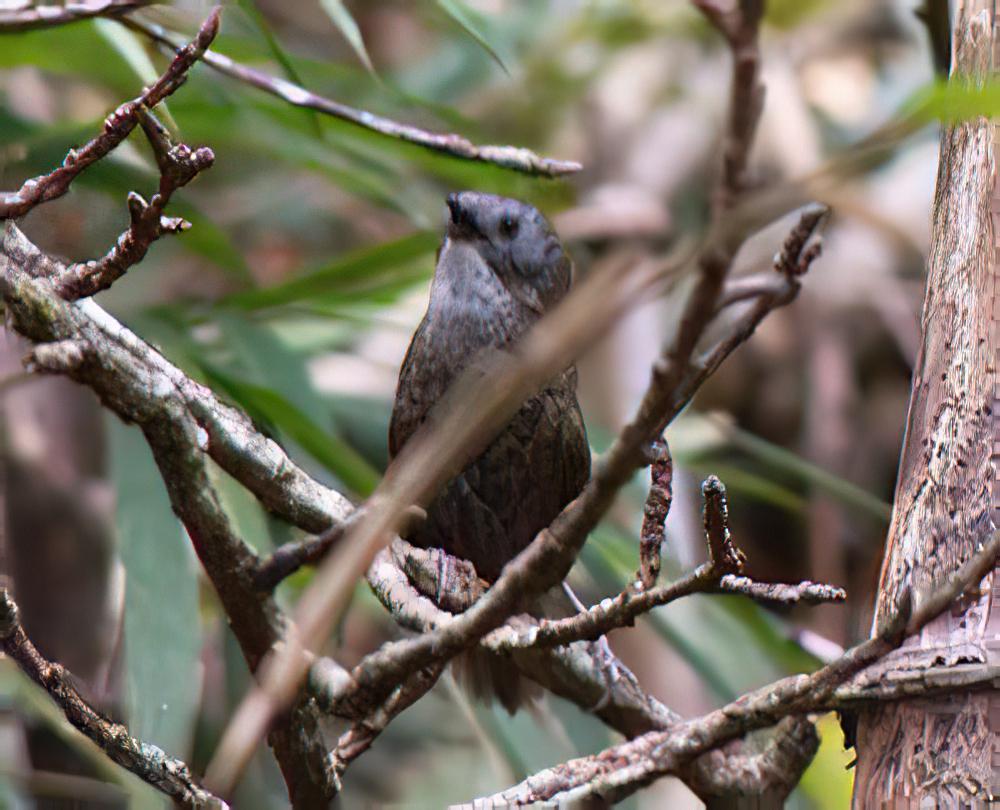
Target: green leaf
76, 50
341, 17
274, 409
282, 58
361, 269
162, 637
782, 460
954, 100
829, 779
465, 18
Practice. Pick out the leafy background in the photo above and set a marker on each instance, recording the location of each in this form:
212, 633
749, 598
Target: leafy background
296, 291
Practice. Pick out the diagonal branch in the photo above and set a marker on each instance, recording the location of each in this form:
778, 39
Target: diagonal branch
27, 16
117, 127
165, 773
508, 157
81, 341
578, 672
432, 457
179, 165
621, 770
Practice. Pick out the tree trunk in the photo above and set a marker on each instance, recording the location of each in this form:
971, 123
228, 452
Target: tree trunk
943, 749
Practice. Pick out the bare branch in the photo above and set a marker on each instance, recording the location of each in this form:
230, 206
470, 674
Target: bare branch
621, 770
121, 362
165, 773
179, 165
26, 16
509, 157
760, 285
723, 556
738, 21
358, 739
117, 126
142, 387
654, 513
444, 446
291, 556
797, 254
809, 593
578, 673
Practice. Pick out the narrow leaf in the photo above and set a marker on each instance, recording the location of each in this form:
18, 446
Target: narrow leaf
360, 266
465, 18
274, 409
162, 636
342, 18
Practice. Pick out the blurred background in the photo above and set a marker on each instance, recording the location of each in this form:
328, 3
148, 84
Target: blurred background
295, 294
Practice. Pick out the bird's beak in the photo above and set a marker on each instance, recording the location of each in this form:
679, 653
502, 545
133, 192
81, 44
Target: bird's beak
455, 207
462, 220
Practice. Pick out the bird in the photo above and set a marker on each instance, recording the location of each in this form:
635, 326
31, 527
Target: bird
500, 269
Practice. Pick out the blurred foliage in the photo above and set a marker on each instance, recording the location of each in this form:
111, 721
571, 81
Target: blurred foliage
313, 243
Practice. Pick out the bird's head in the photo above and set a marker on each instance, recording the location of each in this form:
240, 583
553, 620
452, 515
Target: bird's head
516, 242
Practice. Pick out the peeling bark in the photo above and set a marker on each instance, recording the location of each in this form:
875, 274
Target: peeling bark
940, 751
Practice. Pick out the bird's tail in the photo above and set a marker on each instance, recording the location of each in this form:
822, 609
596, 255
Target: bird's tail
489, 676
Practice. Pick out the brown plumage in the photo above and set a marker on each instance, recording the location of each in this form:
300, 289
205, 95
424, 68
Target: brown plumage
500, 269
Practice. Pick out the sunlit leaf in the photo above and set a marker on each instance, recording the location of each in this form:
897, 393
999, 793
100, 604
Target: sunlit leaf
786, 14
955, 100
829, 781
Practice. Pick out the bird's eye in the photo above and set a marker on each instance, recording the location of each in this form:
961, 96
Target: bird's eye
508, 226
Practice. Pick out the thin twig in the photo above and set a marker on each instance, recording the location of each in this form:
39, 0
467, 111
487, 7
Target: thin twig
293, 555
443, 448
428, 460
117, 126
797, 253
179, 165
577, 672
509, 157
775, 593
723, 556
29, 16
654, 513
621, 770
358, 739
165, 773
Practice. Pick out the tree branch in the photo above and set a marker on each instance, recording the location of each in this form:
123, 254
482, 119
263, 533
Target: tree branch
621, 770
165, 773
433, 456
117, 126
27, 16
179, 165
508, 157
654, 513
578, 672
81, 341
